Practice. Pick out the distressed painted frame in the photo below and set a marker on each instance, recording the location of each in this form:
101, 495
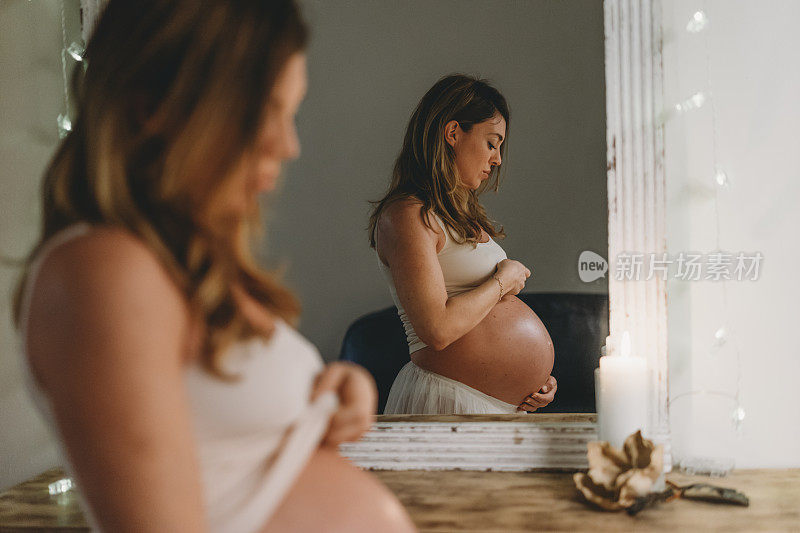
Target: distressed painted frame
636, 217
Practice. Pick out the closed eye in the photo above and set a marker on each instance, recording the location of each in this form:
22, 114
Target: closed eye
491, 146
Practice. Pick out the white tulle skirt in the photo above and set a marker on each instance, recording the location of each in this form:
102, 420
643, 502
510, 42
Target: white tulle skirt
421, 392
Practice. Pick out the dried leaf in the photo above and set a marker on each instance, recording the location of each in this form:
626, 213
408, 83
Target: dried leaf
635, 486
711, 493
606, 463
595, 493
618, 478
638, 450
650, 499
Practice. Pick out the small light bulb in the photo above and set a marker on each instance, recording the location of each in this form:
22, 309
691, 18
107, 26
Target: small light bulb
721, 178
60, 487
698, 22
693, 102
76, 51
737, 417
64, 126
698, 99
720, 338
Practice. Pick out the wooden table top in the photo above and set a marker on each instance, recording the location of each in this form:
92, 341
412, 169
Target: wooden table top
539, 501
499, 501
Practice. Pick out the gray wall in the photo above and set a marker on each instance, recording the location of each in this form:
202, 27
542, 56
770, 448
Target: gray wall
32, 96
369, 64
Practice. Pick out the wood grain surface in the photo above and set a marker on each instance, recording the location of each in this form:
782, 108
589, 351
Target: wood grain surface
537, 501
494, 501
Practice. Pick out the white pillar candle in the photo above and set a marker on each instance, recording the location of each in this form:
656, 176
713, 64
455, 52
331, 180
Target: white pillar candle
621, 394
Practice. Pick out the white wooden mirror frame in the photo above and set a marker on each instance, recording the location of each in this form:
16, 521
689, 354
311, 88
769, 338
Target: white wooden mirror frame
636, 215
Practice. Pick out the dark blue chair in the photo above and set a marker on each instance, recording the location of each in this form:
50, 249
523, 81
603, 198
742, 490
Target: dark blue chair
577, 323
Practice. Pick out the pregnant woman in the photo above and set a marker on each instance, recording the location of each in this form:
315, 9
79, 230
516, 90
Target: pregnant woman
475, 347
160, 354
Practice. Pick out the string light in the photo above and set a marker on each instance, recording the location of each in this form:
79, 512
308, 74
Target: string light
738, 416
61, 486
698, 23
76, 51
720, 336
695, 101
721, 178
63, 121
64, 125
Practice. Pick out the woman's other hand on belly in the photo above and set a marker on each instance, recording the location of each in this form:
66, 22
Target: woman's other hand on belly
542, 398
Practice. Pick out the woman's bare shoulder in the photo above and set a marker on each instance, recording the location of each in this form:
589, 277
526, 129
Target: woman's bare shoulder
105, 258
401, 229
100, 294
405, 217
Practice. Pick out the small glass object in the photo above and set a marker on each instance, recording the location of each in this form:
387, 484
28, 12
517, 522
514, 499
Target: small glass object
60, 487
698, 22
706, 466
704, 440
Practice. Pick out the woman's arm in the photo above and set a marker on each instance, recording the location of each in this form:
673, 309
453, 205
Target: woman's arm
106, 337
408, 247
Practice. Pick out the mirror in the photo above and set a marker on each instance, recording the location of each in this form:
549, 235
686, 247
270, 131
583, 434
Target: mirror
369, 65
636, 221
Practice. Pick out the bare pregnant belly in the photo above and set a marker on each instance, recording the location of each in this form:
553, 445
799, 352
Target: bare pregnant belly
331, 494
508, 355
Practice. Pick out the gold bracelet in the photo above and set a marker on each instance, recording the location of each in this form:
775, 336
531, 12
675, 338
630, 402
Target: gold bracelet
501, 287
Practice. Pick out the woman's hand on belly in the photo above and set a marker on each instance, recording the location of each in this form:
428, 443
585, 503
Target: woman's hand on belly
512, 276
542, 398
507, 355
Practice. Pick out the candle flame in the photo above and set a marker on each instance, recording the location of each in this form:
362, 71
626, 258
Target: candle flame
625, 347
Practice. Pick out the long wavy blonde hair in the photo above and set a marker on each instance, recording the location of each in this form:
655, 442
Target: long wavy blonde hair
168, 113
426, 169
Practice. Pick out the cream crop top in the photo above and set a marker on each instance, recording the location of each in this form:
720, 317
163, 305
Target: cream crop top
253, 436
464, 267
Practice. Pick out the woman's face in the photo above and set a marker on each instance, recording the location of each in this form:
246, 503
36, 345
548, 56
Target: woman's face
477, 150
277, 139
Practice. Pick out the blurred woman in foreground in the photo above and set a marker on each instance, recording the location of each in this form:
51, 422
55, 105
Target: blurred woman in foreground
163, 357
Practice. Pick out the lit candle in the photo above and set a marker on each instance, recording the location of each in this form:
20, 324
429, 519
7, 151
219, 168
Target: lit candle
621, 393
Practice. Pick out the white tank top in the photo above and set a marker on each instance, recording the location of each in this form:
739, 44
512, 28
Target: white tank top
464, 267
253, 435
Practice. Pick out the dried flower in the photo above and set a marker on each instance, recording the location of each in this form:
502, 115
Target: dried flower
616, 478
